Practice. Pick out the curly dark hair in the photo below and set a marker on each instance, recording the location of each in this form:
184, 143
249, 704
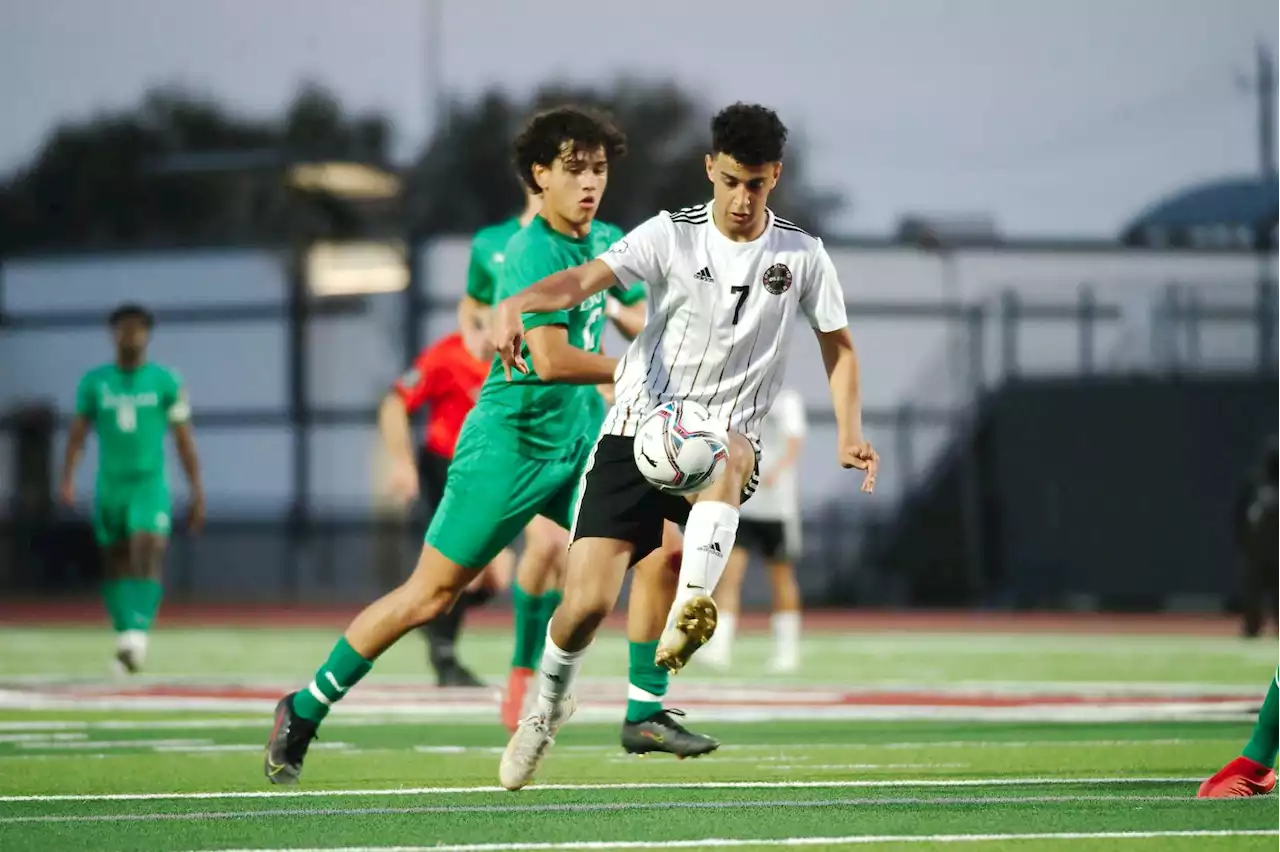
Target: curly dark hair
543, 138
751, 134
131, 310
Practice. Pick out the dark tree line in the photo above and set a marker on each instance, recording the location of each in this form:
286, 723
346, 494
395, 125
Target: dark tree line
181, 169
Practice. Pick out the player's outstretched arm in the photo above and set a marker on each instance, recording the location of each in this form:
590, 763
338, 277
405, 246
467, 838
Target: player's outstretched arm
76, 437
565, 289
555, 359
557, 292
841, 360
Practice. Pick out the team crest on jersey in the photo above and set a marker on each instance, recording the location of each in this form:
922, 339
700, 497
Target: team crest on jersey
777, 279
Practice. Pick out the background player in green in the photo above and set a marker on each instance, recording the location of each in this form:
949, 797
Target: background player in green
525, 445
535, 593
130, 405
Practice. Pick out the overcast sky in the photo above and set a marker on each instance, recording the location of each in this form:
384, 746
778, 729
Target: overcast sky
1062, 118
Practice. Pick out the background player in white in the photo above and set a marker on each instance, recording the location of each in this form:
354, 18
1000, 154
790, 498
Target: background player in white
769, 528
726, 281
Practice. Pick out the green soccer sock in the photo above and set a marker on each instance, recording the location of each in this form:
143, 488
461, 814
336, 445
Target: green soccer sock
648, 682
532, 615
150, 593
343, 670
138, 601
111, 597
1262, 745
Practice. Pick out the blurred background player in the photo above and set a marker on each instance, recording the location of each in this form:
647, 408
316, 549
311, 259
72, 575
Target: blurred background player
1255, 527
446, 378
130, 405
769, 527
1253, 772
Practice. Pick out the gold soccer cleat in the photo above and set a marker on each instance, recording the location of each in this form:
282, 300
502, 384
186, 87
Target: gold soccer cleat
693, 628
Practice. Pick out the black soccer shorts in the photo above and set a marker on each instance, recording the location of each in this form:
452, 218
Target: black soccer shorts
617, 502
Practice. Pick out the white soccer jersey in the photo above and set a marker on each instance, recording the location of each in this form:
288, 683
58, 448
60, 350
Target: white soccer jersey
777, 498
720, 315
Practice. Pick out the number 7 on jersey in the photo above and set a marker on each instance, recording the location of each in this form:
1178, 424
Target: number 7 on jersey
741, 290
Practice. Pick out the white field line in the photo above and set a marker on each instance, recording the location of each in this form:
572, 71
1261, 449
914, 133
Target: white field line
712, 684
746, 843
579, 807
485, 713
702, 785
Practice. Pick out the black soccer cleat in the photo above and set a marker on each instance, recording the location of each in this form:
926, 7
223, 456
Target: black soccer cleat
287, 748
127, 662
453, 673
660, 732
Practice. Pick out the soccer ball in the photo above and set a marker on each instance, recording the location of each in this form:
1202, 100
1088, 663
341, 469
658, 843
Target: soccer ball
680, 449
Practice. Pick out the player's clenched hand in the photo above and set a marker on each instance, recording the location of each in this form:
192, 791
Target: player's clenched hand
402, 481
508, 338
859, 454
67, 492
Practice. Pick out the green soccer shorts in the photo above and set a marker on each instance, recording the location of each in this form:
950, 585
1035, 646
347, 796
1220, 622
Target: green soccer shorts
494, 490
125, 509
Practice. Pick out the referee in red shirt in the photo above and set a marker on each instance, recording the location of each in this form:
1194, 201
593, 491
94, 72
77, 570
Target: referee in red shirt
446, 378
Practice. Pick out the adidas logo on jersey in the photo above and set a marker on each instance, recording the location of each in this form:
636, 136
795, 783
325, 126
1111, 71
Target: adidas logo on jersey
704, 274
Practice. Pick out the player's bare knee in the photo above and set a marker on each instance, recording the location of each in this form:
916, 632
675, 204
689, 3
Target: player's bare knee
742, 459
432, 588
738, 469
547, 548
420, 605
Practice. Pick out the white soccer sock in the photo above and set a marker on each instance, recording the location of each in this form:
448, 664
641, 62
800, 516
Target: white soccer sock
719, 649
708, 541
556, 674
786, 634
134, 641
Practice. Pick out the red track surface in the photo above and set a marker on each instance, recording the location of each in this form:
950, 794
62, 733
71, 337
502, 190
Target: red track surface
179, 614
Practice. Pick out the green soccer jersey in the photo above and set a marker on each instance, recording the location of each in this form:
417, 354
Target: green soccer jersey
548, 418
130, 412
488, 253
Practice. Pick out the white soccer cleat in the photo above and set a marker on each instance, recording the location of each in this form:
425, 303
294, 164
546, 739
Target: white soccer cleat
131, 653
536, 734
784, 664
694, 626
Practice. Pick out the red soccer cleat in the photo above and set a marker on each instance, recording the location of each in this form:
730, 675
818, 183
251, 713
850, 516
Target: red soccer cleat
513, 698
1241, 777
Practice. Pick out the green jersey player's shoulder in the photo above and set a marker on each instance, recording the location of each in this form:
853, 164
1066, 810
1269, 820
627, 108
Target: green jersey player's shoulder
98, 373
167, 374
98, 370
610, 232
493, 238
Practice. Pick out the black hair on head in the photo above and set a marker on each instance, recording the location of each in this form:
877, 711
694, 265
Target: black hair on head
543, 138
751, 134
131, 310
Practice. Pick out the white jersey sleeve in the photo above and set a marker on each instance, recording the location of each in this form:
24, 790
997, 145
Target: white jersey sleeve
822, 298
644, 254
